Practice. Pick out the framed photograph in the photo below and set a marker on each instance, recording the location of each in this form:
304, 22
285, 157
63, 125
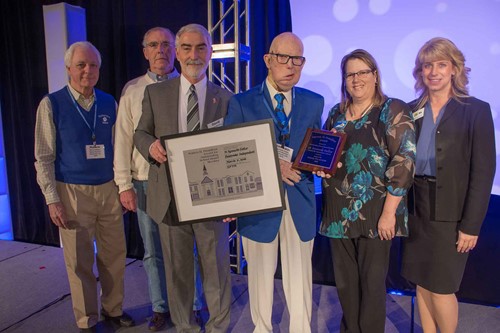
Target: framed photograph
224, 172
320, 151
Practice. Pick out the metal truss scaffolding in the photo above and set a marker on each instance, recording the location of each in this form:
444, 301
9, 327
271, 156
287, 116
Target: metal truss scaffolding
228, 24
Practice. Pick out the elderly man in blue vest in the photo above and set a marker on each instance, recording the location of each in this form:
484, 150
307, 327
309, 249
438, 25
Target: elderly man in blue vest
74, 164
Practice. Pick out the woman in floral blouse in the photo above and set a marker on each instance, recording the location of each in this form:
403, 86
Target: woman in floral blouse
363, 204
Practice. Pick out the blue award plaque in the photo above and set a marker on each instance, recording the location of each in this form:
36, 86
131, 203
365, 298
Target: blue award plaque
320, 151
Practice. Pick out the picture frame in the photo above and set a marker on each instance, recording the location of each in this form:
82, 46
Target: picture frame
224, 172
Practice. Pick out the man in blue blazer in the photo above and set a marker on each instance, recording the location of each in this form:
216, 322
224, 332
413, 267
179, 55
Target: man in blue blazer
293, 110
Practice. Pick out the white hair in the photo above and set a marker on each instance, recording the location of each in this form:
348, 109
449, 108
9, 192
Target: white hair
68, 55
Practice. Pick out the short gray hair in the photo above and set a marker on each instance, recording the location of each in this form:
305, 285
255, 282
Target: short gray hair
193, 27
168, 31
68, 55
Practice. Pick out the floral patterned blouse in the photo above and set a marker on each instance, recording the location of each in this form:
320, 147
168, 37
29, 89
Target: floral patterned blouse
378, 157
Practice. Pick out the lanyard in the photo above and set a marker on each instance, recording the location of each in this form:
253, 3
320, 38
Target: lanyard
83, 117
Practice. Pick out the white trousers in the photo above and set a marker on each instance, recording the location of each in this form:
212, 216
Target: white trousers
262, 260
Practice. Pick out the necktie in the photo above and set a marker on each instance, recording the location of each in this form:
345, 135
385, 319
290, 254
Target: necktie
282, 120
193, 114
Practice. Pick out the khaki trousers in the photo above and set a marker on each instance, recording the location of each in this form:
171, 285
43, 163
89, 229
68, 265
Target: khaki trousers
93, 213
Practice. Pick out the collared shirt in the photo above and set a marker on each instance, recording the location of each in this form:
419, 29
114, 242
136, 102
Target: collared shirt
425, 162
173, 74
85, 103
287, 102
128, 162
45, 144
201, 92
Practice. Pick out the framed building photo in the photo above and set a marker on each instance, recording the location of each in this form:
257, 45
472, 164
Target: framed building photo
224, 172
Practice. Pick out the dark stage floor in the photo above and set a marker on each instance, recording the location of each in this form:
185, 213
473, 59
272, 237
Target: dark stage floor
34, 297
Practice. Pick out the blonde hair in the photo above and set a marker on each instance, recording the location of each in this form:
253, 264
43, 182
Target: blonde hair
367, 58
436, 49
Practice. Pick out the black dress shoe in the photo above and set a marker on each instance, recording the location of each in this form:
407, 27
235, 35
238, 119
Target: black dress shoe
124, 320
88, 330
197, 317
158, 320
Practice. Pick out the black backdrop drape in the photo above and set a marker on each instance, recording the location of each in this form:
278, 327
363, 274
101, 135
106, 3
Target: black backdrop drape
116, 28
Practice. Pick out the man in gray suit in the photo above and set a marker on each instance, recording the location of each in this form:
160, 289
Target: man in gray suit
174, 106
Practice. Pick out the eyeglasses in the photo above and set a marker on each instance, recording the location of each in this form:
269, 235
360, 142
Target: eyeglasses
284, 58
154, 45
363, 74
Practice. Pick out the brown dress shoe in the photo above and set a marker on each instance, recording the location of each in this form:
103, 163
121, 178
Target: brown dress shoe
158, 321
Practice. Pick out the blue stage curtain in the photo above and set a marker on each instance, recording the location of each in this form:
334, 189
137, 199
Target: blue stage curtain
268, 18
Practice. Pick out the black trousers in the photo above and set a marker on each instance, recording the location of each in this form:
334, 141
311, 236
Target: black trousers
360, 268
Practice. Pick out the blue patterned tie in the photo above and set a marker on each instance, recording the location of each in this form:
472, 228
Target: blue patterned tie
282, 120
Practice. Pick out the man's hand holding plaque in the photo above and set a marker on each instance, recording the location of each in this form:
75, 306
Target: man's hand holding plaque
320, 152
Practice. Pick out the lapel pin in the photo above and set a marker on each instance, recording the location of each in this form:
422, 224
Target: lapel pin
214, 100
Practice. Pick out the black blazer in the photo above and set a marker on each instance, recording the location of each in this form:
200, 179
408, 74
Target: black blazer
465, 162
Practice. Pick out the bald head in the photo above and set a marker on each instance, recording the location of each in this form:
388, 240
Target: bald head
286, 38
285, 61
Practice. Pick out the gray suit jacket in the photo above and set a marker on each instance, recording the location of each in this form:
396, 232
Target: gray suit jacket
160, 117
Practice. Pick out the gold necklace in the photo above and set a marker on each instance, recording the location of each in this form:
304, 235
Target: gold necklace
362, 114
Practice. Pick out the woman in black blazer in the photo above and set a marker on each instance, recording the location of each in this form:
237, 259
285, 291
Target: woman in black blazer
455, 166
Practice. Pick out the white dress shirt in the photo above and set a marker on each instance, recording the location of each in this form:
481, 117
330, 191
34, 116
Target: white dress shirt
201, 92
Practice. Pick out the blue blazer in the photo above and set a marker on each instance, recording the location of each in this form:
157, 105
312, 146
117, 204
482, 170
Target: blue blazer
307, 108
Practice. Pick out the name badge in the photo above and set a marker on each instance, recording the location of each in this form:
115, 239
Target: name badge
94, 152
217, 123
418, 114
285, 153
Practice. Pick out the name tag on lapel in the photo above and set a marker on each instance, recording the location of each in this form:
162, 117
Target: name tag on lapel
217, 123
418, 114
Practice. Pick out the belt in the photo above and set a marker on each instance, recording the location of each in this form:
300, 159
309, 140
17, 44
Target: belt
430, 179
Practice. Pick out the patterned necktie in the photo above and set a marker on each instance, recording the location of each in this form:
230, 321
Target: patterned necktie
193, 113
282, 120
